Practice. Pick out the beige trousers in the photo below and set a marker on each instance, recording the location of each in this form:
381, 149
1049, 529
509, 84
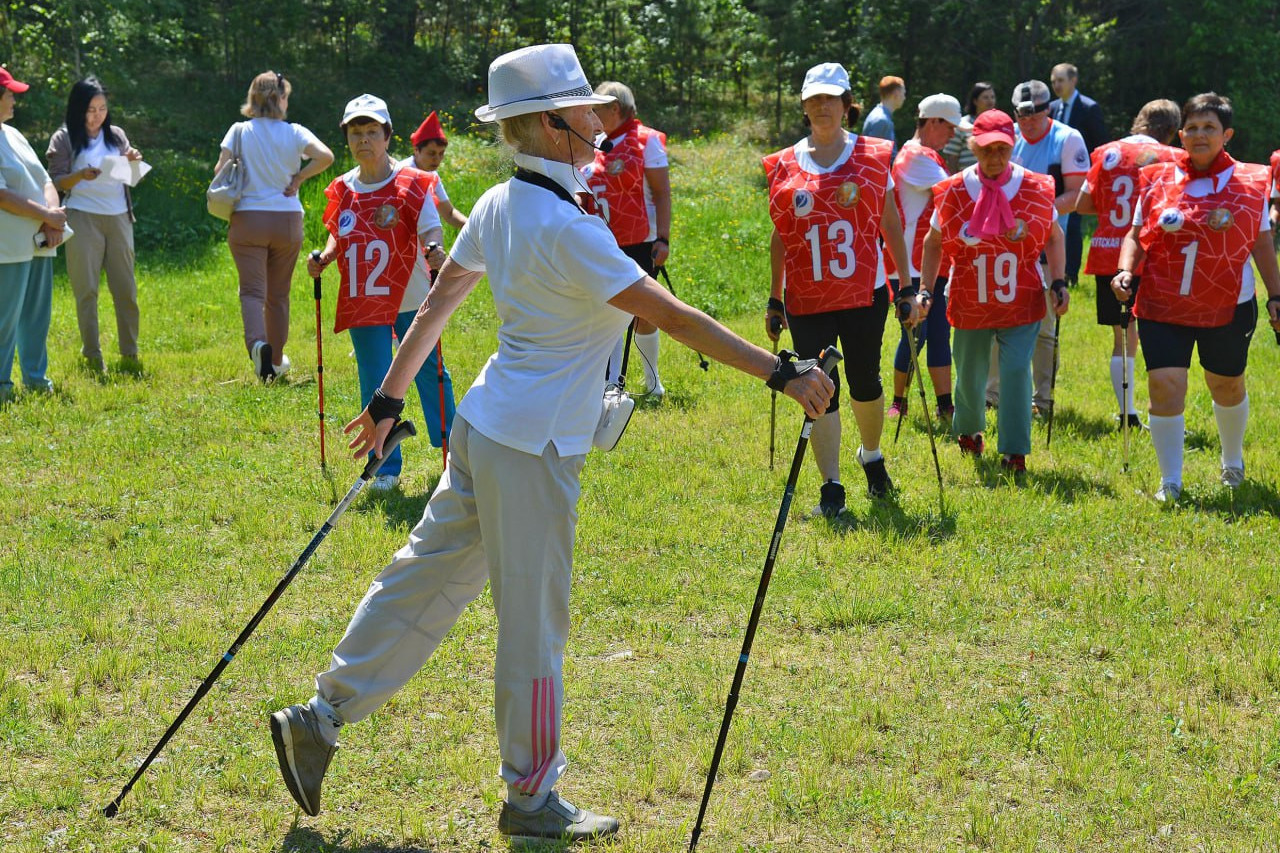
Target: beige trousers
103, 242
265, 246
498, 515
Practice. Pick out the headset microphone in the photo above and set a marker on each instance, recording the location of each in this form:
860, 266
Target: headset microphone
559, 123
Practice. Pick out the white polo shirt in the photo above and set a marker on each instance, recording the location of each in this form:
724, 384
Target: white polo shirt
552, 270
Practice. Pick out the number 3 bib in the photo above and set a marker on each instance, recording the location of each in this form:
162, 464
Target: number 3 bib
830, 226
377, 234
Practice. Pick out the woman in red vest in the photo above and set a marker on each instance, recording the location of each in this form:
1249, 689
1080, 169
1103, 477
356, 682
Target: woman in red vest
633, 192
827, 202
992, 220
1198, 221
379, 216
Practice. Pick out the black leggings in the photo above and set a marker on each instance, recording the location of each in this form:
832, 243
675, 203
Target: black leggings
859, 332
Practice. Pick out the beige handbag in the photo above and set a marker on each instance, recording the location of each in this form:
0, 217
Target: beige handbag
229, 183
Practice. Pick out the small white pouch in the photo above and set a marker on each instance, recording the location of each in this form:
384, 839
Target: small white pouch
615, 414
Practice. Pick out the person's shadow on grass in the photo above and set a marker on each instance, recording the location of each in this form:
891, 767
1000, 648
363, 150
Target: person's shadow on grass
304, 839
1252, 498
1070, 422
887, 515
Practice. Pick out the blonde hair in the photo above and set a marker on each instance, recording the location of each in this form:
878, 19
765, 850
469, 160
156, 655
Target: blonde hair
1159, 119
622, 94
523, 133
266, 92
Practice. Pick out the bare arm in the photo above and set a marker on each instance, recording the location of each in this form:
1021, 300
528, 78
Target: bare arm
1071, 185
1084, 204
1131, 254
19, 205
891, 230
650, 301
1056, 254
318, 157
931, 258
449, 213
1264, 256
659, 181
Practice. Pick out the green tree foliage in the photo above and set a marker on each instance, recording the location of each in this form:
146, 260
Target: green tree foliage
179, 68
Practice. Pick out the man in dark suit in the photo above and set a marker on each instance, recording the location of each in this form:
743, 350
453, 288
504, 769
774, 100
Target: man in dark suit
1083, 113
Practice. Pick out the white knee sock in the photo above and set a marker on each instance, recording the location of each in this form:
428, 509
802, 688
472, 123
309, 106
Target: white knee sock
1166, 437
1231, 423
1119, 366
615, 361
648, 347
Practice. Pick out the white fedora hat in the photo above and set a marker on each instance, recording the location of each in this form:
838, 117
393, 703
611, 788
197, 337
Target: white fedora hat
536, 79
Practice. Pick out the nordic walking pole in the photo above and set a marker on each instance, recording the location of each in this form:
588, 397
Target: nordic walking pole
910, 369
928, 420
1124, 381
444, 421
827, 361
401, 431
775, 326
315, 256
662, 271
1053, 379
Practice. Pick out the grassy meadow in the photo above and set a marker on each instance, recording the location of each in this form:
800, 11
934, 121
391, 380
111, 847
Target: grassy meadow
1055, 664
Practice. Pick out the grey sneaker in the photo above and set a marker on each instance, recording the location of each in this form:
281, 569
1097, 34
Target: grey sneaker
1232, 477
557, 819
303, 753
1168, 493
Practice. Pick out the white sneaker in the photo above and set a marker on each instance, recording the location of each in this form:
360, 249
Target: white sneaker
1168, 493
260, 353
283, 367
1232, 477
383, 483
655, 394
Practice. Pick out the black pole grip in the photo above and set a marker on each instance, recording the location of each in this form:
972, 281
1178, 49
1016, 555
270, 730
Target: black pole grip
829, 358
315, 256
775, 324
398, 433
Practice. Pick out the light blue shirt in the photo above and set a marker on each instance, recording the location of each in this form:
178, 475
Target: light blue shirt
1059, 152
879, 123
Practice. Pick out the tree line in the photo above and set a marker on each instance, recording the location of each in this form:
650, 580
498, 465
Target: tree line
178, 69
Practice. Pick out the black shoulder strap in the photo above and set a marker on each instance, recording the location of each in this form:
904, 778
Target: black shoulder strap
539, 180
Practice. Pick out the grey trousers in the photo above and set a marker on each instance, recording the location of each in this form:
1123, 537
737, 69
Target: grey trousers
498, 515
101, 243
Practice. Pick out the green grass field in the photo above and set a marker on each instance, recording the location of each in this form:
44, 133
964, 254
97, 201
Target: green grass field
1059, 664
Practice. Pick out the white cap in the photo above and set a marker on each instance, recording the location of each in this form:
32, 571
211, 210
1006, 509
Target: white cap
366, 106
941, 106
829, 78
536, 79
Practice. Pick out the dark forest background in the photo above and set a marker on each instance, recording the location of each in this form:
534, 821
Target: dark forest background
178, 69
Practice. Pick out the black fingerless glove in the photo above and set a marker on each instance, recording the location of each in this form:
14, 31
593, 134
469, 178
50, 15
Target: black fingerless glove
784, 369
382, 407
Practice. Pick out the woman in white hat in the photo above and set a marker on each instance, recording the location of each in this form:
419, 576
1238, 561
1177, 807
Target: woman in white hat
827, 201
505, 510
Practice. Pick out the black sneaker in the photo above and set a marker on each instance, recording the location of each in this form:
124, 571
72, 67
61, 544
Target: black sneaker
262, 364
831, 500
1135, 422
878, 482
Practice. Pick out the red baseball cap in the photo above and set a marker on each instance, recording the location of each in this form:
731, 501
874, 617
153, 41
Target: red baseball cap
993, 126
7, 81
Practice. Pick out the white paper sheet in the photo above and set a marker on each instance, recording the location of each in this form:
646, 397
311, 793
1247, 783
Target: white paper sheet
121, 168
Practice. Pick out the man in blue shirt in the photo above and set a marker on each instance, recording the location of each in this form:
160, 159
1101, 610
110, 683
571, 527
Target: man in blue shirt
879, 123
1050, 148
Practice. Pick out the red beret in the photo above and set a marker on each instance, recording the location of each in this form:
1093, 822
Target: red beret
429, 129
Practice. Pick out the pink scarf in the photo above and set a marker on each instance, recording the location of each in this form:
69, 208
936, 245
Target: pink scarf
992, 215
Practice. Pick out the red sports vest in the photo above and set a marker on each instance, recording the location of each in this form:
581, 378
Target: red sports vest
830, 225
996, 284
1197, 247
617, 182
913, 232
1113, 185
377, 234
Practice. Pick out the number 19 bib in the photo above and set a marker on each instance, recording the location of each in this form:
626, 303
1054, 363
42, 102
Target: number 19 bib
830, 225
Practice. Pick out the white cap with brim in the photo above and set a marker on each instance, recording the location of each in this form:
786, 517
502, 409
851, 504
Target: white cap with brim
941, 106
536, 79
366, 106
829, 78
